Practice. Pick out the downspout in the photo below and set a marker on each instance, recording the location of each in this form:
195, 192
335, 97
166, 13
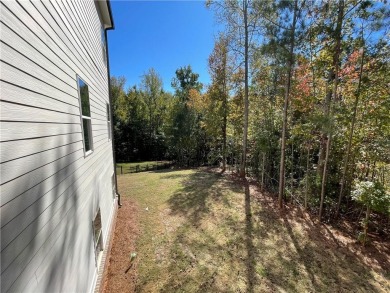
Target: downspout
111, 104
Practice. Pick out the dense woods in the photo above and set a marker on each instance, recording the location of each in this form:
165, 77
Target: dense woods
299, 99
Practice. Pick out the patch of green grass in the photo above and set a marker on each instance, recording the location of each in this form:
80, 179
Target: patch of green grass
130, 167
200, 233
261, 271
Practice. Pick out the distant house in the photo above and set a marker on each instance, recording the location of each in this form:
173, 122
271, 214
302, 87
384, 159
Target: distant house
58, 199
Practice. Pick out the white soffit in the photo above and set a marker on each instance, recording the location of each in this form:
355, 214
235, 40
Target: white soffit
105, 12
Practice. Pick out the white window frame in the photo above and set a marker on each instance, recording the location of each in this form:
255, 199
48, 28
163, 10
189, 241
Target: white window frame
98, 240
109, 121
84, 117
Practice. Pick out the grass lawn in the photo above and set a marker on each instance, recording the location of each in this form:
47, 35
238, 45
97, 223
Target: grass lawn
127, 166
201, 231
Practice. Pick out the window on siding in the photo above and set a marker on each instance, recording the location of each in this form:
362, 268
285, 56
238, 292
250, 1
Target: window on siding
85, 116
108, 121
97, 237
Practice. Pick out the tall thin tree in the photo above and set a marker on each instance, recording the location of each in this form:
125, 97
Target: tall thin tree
219, 70
290, 64
335, 70
241, 21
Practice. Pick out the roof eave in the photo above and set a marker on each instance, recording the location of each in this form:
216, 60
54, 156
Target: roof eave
106, 14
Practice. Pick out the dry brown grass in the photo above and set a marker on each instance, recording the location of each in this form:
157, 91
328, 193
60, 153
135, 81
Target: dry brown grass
207, 232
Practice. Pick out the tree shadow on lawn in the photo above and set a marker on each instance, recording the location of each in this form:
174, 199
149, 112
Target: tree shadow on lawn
162, 171
250, 263
197, 252
233, 239
317, 255
190, 200
171, 172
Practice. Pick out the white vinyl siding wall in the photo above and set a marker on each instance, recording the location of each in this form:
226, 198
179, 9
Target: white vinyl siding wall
50, 192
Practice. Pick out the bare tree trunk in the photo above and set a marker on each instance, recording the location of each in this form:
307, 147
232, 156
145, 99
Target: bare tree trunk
262, 172
367, 170
307, 177
314, 94
285, 109
224, 144
224, 126
368, 212
373, 171
324, 175
225, 110
349, 146
323, 140
292, 173
246, 94
336, 58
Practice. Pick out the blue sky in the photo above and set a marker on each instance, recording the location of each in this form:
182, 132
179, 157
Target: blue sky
160, 34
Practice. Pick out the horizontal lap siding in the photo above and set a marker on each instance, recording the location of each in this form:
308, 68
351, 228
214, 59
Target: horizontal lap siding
50, 191
57, 183
13, 93
67, 189
12, 131
11, 169
12, 150
26, 113
49, 233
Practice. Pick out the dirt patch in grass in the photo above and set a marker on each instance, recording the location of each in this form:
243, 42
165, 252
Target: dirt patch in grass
207, 232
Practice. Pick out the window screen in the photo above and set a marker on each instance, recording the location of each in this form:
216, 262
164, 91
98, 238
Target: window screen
85, 115
97, 236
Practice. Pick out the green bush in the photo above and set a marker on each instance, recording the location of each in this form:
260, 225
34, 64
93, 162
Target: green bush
373, 195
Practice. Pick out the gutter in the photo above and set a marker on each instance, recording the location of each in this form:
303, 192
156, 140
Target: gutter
111, 104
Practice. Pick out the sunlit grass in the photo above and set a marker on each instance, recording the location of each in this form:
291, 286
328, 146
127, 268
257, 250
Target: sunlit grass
200, 233
131, 167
